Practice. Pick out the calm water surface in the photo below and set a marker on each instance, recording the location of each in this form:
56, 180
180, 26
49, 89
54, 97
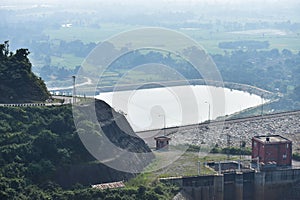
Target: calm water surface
147, 109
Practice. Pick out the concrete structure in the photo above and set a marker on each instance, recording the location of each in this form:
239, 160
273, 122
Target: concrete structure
112, 185
275, 185
272, 150
162, 142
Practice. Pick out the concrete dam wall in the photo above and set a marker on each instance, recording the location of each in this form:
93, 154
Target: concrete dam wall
269, 185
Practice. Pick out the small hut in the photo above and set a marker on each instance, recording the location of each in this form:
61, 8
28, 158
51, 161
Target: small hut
272, 149
162, 142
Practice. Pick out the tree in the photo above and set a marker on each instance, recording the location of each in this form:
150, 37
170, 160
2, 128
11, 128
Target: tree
6, 48
22, 53
45, 145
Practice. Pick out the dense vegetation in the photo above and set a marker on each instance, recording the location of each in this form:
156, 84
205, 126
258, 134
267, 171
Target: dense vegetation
232, 150
271, 70
17, 82
276, 71
245, 44
296, 156
51, 191
41, 156
226, 150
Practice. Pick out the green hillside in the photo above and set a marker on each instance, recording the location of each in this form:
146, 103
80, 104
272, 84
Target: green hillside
41, 154
42, 157
18, 84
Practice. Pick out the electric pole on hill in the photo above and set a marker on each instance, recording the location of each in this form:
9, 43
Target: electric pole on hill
74, 89
228, 145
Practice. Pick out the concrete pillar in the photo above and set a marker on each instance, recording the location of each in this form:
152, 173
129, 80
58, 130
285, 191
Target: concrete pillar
259, 185
219, 187
239, 185
203, 193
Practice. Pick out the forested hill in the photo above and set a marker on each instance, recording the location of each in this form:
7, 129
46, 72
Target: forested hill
18, 84
42, 157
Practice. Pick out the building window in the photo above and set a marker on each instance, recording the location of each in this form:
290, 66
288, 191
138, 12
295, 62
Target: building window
287, 146
284, 156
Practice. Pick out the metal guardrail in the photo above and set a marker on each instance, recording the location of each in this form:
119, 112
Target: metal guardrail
29, 104
64, 100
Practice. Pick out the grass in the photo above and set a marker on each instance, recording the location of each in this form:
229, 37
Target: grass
286, 42
185, 165
210, 40
67, 61
145, 179
88, 34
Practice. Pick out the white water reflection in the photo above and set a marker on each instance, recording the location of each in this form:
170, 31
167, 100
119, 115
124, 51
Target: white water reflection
148, 109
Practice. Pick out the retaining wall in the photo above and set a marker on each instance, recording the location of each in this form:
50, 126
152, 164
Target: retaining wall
239, 185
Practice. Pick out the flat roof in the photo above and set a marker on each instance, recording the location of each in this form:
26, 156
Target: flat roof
272, 138
162, 138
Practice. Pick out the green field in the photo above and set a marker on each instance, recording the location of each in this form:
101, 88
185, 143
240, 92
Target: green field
208, 39
186, 165
87, 34
67, 61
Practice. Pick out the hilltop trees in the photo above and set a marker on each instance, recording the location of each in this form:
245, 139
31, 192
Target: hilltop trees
17, 81
4, 49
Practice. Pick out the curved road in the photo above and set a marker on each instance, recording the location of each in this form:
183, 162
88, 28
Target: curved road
87, 82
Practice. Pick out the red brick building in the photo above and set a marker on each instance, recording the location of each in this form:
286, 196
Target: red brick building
272, 149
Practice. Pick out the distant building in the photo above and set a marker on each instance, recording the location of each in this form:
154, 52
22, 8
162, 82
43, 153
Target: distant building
272, 150
162, 142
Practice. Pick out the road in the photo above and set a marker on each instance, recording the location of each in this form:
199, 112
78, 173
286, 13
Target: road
67, 100
87, 82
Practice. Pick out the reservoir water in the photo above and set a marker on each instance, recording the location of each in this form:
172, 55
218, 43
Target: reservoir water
148, 109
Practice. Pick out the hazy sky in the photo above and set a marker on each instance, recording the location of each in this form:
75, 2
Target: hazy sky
220, 2
248, 4
284, 9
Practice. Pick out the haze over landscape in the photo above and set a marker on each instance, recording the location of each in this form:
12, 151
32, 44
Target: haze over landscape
161, 99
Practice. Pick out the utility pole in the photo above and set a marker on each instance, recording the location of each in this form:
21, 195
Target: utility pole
208, 110
228, 145
164, 117
199, 168
258, 167
262, 108
74, 89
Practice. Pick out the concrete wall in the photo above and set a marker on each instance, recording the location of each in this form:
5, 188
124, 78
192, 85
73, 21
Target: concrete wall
239, 186
200, 187
275, 184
